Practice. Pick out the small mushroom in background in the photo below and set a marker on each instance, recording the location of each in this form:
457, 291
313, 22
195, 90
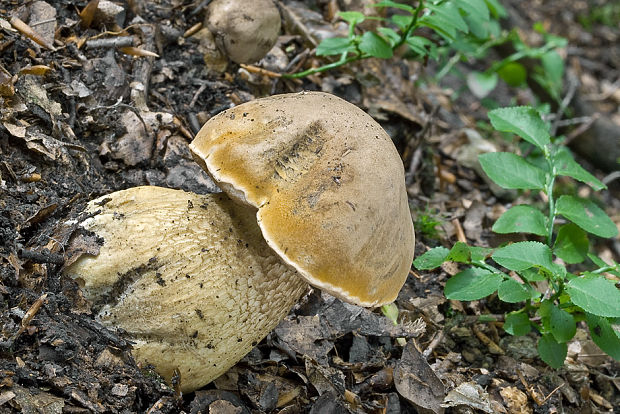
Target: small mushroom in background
314, 192
244, 31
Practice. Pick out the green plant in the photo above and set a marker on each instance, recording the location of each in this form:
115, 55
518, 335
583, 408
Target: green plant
450, 19
548, 74
426, 223
516, 270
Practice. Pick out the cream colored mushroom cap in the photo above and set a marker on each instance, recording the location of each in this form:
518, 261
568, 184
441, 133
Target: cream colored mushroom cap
329, 187
188, 277
244, 30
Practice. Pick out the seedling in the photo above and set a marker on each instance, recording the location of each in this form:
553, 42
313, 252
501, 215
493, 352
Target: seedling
514, 270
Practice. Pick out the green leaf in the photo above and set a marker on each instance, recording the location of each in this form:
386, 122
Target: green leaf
586, 215
553, 66
479, 254
552, 352
565, 164
388, 3
512, 291
459, 253
521, 219
390, 34
475, 7
449, 14
601, 263
445, 29
572, 244
431, 259
391, 312
604, 335
562, 324
352, 17
532, 275
523, 255
472, 284
523, 121
517, 324
595, 294
375, 45
401, 21
496, 9
481, 83
422, 46
334, 46
513, 73
510, 171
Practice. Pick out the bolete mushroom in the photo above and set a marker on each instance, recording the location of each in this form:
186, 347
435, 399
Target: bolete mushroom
244, 31
314, 193
329, 187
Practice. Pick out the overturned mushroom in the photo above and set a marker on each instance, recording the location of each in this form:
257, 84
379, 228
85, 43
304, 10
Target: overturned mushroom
196, 281
244, 31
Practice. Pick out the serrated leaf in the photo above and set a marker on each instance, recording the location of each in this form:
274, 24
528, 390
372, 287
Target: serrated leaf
604, 335
472, 284
512, 291
586, 215
595, 294
510, 171
521, 219
481, 83
565, 164
552, 352
375, 45
334, 46
523, 255
572, 244
562, 324
523, 121
431, 259
459, 253
517, 324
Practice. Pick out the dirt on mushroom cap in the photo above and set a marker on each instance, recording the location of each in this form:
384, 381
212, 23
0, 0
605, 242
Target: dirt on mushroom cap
329, 187
188, 277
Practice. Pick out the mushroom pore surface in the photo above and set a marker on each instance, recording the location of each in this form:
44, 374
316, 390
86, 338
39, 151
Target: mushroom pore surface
329, 187
188, 277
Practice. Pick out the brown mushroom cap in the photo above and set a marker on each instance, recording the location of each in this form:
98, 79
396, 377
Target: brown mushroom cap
245, 31
329, 187
188, 277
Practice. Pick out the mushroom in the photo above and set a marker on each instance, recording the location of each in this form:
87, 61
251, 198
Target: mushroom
244, 32
314, 192
329, 187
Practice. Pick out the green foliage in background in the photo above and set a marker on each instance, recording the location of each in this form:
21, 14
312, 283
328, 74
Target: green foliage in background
517, 271
449, 19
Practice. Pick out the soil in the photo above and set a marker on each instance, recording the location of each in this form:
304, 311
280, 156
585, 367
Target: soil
81, 119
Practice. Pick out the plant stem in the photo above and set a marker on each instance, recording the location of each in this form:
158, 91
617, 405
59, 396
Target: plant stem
344, 60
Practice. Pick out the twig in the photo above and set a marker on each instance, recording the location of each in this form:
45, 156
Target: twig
27, 31
582, 128
110, 42
261, 71
30, 313
436, 341
460, 234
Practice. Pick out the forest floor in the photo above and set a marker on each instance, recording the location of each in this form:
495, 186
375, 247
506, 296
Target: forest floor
82, 117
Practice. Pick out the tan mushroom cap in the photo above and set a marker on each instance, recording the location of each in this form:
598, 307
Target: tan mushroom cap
245, 31
329, 187
188, 277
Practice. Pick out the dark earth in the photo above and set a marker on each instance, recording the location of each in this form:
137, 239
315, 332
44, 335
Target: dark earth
80, 119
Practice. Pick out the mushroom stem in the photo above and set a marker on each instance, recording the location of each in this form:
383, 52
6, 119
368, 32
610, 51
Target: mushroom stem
188, 277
